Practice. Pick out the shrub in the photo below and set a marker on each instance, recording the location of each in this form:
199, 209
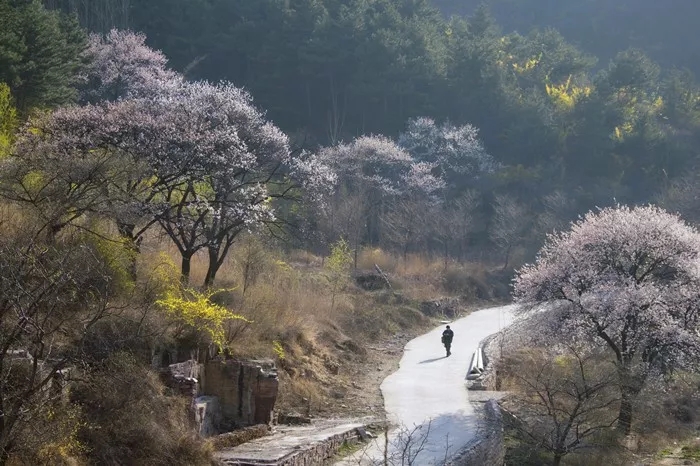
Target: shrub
128, 418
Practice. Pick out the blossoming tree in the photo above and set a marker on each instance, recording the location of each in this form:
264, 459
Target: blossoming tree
455, 153
371, 171
199, 159
627, 279
121, 65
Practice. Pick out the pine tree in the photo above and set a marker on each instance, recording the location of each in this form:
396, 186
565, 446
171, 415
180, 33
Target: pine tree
40, 54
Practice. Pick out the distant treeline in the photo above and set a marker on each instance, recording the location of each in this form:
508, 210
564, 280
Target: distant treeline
566, 130
666, 30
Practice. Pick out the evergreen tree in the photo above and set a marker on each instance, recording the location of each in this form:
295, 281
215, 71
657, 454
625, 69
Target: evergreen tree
40, 54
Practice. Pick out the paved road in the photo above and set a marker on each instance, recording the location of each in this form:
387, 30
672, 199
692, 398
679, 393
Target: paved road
430, 388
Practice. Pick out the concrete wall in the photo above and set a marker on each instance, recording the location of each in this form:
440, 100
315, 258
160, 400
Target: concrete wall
489, 450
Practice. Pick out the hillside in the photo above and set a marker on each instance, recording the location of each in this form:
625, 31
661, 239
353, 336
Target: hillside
666, 31
236, 183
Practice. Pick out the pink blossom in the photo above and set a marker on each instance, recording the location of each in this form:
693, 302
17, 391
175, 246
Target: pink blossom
121, 65
625, 278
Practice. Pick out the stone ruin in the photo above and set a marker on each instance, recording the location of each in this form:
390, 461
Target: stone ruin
225, 394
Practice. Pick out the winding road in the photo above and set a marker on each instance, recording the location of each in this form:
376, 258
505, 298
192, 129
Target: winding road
428, 394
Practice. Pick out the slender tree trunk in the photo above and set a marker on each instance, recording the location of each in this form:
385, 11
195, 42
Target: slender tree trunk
507, 259
631, 384
133, 245
185, 268
214, 265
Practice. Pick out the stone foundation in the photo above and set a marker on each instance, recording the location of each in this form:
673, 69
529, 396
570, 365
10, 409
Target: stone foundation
246, 390
225, 394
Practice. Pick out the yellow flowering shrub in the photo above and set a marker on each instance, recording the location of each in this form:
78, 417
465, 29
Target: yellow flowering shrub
192, 308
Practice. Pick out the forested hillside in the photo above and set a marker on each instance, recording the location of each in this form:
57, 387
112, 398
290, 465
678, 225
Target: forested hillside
664, 30
212, 177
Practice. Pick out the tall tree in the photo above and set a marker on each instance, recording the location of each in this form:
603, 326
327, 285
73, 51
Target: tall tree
198, 159
563, 399
455, 152
96, 15
376, 169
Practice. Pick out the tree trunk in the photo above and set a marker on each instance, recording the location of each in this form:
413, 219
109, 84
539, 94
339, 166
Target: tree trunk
133, 244
185, 268
214, 265
631, 384
556, 461
507, 259
624, 421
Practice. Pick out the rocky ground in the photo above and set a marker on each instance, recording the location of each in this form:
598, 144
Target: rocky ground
358, 393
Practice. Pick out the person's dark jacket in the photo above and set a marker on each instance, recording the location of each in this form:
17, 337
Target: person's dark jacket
447, 336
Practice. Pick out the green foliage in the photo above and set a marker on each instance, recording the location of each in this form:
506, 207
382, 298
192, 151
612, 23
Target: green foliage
601, 27
8, 119
330, 70
340, 260
40, 54
327, 71
337, 267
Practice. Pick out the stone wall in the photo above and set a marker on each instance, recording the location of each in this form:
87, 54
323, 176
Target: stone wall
207, 415
239, 437
182, 378
489, 449
492, 351
246, 390
321, 452
312, 446
225, 394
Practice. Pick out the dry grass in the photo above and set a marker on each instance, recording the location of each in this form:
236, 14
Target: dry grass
287, 299
368, 257
299, 256
423, 278
129, 418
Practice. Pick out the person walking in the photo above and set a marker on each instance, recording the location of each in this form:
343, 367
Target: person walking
447, 336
